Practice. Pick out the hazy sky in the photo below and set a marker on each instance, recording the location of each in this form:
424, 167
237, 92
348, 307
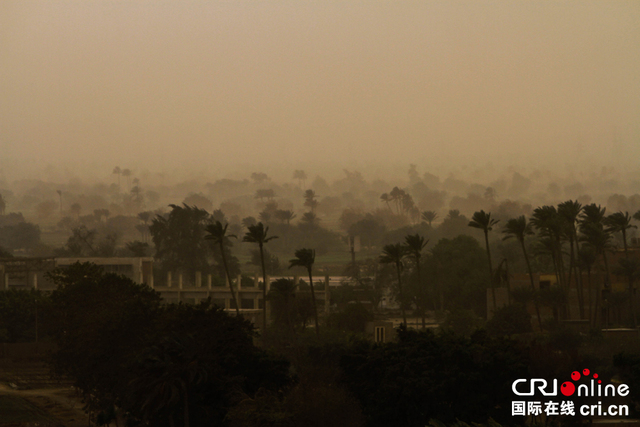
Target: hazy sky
213, 85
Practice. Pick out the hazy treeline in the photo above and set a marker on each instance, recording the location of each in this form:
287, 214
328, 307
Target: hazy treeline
105, 216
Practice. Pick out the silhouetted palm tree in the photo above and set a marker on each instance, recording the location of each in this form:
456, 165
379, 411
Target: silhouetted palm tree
305, 258
551, 225
594, 233
397, 195
429, 216
393, 254
586, 258
621, 222
310, 200
570, 211
483, 221
414, 244
118, 172
218, 234
248, 221
386, 198
301, 176
520, 228
258, 234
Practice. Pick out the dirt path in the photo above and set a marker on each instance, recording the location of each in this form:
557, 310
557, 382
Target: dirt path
59, 403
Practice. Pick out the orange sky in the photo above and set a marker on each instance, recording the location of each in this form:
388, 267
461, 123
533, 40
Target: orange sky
211, 86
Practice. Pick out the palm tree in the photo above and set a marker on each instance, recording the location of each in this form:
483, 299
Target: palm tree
258, 234
301, 176
569, 211
592, 227
248, 221
429, 216
587, 257
310, 200
218, 234
551, 226
288, 216
621, 222
117, 171
396, 195
393, 254
305, 258
520, 228
414, 244
483, 221
386, 198
284, 215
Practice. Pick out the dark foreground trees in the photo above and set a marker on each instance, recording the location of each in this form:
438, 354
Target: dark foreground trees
426, 376
160, 365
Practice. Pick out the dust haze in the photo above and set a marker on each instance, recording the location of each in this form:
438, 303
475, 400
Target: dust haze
218, 89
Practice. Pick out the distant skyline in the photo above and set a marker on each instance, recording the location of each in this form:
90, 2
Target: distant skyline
212, 87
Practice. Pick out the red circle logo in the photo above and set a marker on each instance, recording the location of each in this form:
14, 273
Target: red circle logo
567, 388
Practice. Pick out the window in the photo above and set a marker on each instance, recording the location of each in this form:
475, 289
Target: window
379, 334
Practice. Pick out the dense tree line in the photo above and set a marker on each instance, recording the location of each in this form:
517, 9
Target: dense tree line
154, 364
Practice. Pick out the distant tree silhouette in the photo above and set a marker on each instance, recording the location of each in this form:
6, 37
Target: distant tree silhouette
620, 222
310, 200
551, 226
305, 258
310, 219
118, 172
387, 199
397, 195
429, 216
586, 259
258, 234
218, 235
520, 229
301, 176
394, 254
414, 245
483, 221
248, 221
569, 211
265, 192
595, 234
284, 215
178, 238
259, 177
